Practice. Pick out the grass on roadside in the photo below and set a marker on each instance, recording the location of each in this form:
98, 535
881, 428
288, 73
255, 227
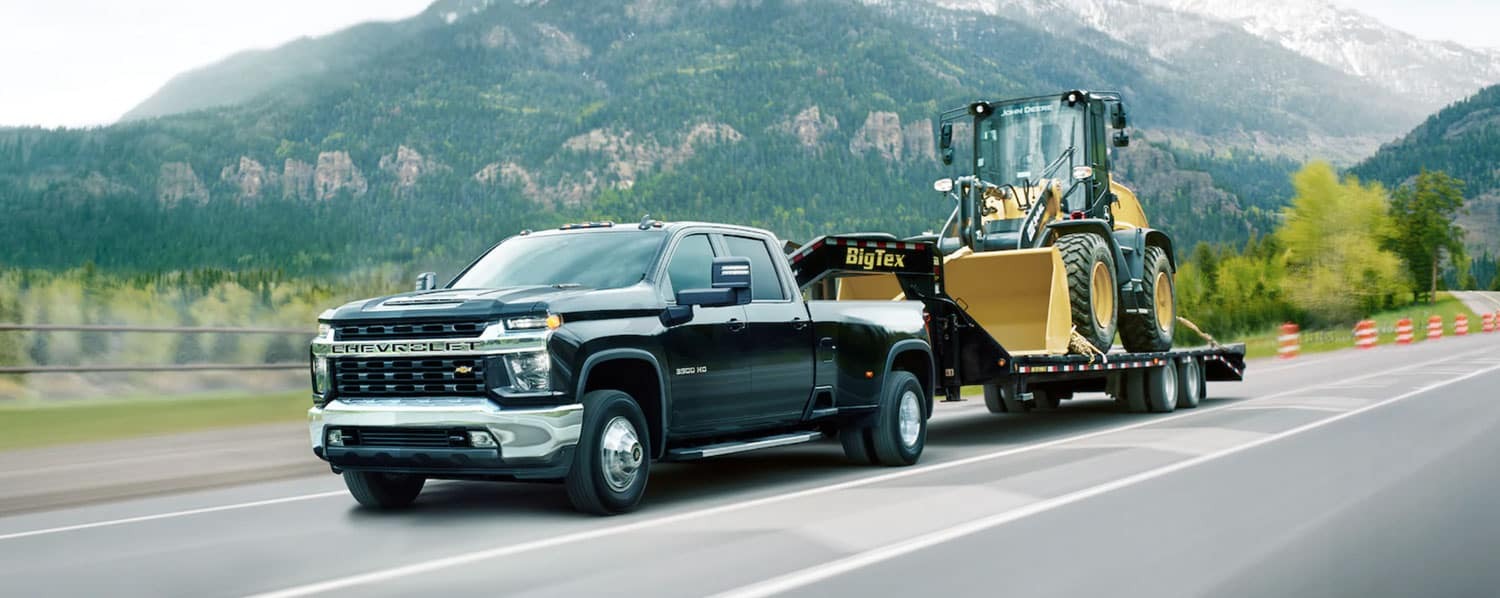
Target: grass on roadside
33, 424
1318, 341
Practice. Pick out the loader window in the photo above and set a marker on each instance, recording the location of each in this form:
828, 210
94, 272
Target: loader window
1029, 143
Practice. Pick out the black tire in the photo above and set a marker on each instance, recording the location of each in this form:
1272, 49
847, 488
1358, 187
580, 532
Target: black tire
857, 446
1082, 255
1002, 399
1145, 332
1189, 383
1043, 400
900, 430
1161, 388
383, 490
1132, 391
610, 419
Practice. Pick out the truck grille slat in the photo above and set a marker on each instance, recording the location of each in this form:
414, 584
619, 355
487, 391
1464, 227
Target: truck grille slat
382, 377
404, 437
353, 332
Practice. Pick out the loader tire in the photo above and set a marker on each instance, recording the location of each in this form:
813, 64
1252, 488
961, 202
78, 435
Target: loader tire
1152, 331
1091, 287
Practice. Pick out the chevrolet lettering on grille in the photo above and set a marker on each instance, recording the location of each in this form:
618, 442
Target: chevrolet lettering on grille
423, 347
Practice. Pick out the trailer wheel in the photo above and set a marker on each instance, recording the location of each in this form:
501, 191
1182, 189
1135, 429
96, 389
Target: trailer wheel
1131, 394
857, 446
1161, 388
1152, 330
1092, 287
612, 460
900, 430
383, 490
1001, 398
1043, 400
1189, 383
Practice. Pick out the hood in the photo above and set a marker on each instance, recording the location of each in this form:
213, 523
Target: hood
449, 305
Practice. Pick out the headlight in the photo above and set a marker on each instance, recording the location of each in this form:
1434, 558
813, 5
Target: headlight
530, 371
320, 375
549, 322
325, 332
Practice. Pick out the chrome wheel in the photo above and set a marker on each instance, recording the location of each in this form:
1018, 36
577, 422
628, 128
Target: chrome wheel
620, 453
910, 418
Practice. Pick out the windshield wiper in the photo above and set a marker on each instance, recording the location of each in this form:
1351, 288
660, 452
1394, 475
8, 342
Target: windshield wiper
567, 285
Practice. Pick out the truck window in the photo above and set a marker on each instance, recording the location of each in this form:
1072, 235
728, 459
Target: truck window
765, 281
691, 264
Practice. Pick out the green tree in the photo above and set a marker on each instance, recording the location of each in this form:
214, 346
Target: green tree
1336, 268
1426, 233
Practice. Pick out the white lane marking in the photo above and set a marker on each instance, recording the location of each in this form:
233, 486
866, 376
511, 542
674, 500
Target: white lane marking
502, 551
1289, 407
798, 579
113, 522
1306, 361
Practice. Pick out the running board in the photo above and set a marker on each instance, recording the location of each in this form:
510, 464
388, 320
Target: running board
729, 448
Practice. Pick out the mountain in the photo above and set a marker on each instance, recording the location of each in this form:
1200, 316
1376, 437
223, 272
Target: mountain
483, 118
1425, 74
1464, 141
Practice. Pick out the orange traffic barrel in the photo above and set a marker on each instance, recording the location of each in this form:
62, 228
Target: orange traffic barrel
1365, 334
1404, 331
1434, 327
1289, 341
1460, 325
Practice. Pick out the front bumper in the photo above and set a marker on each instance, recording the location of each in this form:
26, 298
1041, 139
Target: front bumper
535, 440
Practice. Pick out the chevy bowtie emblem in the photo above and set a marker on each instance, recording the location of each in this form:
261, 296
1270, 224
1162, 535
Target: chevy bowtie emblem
463, 369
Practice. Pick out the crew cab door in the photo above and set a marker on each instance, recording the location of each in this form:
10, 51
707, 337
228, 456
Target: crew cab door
780, 335
709, 357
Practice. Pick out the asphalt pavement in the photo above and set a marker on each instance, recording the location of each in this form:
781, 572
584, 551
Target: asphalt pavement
1368, 473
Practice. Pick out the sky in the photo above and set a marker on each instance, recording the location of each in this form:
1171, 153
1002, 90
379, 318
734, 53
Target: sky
85, 62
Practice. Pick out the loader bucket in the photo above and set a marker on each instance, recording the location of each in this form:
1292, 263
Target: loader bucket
1020, 297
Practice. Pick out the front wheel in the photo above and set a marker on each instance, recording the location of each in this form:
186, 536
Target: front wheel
1091, 287
383, 490
611, 462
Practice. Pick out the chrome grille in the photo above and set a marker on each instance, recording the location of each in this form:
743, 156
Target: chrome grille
352, 332
405, 377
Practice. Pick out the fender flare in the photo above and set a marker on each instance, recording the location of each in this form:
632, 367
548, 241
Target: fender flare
1160, 239
663, 401
915, 344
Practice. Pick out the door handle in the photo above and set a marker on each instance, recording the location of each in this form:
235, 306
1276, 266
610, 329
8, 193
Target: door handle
799, 324
735, 325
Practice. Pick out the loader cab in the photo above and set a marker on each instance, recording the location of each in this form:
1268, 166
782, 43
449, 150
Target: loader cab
1030, 152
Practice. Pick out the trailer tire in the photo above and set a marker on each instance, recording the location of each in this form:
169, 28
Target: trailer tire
1152, 331
378, 490
613, 459
1092, 287
1161, 388
1189, 383
900, 431
856, 441
1043, 400
1001, 398
1132, 391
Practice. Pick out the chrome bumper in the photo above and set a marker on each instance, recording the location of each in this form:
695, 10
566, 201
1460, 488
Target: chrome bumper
525, 435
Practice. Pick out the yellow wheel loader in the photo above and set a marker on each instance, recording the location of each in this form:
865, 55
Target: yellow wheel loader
1043, 242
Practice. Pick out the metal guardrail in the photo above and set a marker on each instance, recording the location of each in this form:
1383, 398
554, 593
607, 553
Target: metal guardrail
185, 367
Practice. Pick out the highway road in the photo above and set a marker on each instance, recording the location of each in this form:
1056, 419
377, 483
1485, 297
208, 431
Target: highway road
1360, 473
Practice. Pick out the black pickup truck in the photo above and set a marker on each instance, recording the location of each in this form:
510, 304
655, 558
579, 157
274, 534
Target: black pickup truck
584, 354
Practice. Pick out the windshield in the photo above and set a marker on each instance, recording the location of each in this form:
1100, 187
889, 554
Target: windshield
595, 260
1025, 142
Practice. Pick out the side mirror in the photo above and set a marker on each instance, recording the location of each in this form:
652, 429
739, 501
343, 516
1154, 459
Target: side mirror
1122, 139
426, 281
945, 142
730, 278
